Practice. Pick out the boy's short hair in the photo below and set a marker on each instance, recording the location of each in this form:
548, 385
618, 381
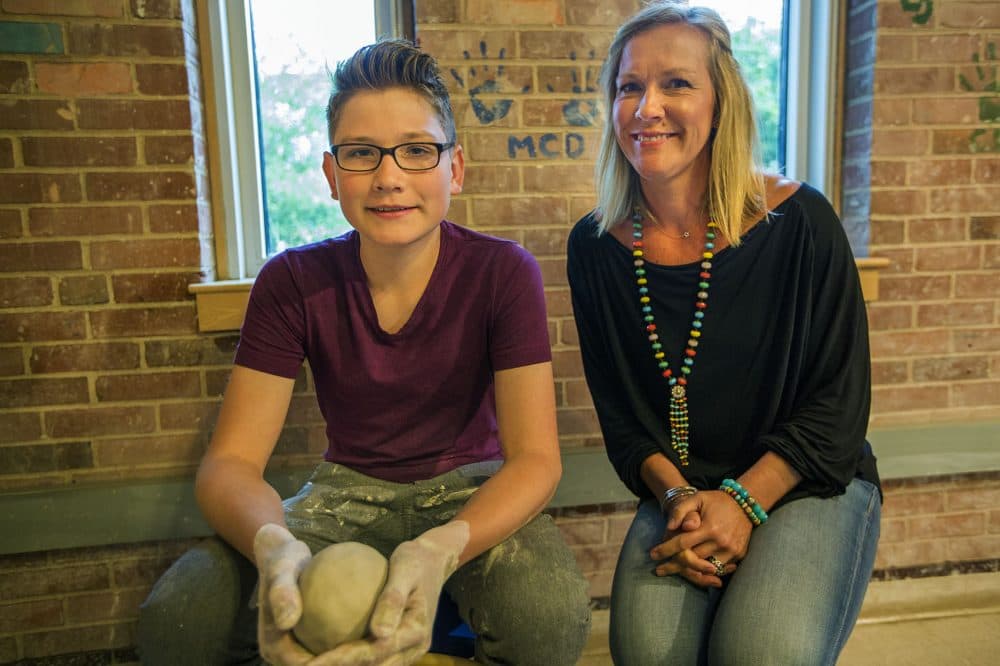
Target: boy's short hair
390, 63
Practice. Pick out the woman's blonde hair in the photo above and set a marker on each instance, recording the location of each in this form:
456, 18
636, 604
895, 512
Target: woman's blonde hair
735, 196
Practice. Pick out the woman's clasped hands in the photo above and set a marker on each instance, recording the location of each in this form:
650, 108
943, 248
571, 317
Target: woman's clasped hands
706, 535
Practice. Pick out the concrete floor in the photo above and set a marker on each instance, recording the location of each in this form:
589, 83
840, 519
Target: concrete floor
943, 621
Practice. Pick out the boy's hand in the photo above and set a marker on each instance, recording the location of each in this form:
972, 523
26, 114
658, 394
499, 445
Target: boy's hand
280, 559
403, 618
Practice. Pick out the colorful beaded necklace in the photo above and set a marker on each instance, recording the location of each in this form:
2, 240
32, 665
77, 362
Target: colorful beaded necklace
678, 385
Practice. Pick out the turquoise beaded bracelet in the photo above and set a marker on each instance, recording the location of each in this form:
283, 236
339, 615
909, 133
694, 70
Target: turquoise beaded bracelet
754, 512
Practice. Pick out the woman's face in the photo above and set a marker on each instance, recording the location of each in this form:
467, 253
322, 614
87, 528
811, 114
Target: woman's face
664, 104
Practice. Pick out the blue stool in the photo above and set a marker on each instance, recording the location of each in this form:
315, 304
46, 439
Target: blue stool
451, 635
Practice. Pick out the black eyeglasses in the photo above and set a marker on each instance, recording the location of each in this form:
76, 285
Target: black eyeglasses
419, 156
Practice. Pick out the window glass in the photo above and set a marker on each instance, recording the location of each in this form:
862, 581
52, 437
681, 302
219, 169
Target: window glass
296, 45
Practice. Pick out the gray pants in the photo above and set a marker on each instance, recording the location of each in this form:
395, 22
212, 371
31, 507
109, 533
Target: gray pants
525, 598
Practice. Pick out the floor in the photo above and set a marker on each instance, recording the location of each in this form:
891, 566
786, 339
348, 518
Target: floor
949, 620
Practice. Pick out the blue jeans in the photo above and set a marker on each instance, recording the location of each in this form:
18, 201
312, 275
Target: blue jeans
793, 599
525, 598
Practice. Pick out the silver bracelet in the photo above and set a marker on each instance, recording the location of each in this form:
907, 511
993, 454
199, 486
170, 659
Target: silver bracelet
675, 494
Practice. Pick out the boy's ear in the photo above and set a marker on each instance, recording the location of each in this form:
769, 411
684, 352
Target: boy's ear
457, 169
328, 162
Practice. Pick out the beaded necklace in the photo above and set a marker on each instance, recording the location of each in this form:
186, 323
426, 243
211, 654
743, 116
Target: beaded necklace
678, 385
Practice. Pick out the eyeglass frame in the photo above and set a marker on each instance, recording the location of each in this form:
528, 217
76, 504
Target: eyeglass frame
441, 147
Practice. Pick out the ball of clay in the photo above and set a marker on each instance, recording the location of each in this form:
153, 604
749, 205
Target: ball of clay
339, 587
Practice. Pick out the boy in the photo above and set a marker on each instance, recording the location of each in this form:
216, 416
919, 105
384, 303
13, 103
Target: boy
429, 349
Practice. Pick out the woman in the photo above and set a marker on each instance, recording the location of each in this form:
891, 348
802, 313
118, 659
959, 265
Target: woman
725, 344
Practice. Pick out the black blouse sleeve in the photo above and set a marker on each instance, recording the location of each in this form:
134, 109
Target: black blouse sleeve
823, 435
627, 442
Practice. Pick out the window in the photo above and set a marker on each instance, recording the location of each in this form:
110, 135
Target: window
786, 49
270, 62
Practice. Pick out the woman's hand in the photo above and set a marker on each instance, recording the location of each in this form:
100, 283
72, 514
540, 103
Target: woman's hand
706, 524
280, 559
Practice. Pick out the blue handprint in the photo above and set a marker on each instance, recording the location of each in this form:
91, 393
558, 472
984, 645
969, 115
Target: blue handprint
483, 80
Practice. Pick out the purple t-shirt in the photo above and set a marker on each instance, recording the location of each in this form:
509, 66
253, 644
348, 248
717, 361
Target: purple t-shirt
416, 403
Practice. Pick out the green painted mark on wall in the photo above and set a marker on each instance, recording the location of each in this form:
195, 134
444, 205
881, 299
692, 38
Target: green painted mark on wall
985, 140
921, 9
21, 37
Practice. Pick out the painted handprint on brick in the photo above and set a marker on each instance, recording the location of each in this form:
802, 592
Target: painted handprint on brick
581, 112
921, 9
484, 79
982, 139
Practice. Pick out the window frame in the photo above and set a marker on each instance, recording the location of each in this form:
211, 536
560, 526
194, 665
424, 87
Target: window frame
233, 129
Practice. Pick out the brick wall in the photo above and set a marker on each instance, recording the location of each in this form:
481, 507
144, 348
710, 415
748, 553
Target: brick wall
103, 376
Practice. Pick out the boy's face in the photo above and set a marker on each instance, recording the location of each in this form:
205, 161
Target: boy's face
391, 206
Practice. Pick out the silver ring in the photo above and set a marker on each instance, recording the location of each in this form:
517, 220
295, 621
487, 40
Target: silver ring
720, 568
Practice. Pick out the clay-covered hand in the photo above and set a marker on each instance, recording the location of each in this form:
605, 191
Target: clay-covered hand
280, 559
404, 613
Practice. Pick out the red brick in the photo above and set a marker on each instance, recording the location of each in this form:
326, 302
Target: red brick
143, 322
964, 199
85, 151
116, 605
908, 398
55, 255
176, 218
954, 368
152, 288
553, 271
19, 427
893, 48
14, 77
576, 392
140, 186
910, 553
961, 142
908, 343
93, 638
899, 202
885, 316
544, 44
976, 15
946, 111
946, 525
103, 8
100, 421
521, 212
888, 174
568, 333
169, 149
994, 525
30, 616
190, 415
165, 114
978, 394
186, 448
955, 314
577, 422
557, 302
583, 532
514, 12
965, 498
84, 357
10, 223
11, 361
892, 531
600, 12
42, 458
948, 258
151, 9
937, 230
490, 179
558, 178
973, 548
977, 340
26, 188
38, 392
83, 290
159, 253
946, 48
937, 171
987, 170
437, 11
541, 242
203, 350
25, 292
596, 558
35, 114
916, 288
24, 584
85, 221
124, 39
908, 81
889, 372
6, 153
148, 386
78, 79
162, 79
991, 257
982, 285
42, 326
886, 232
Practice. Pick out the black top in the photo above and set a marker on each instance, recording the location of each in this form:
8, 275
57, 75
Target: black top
782, 362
